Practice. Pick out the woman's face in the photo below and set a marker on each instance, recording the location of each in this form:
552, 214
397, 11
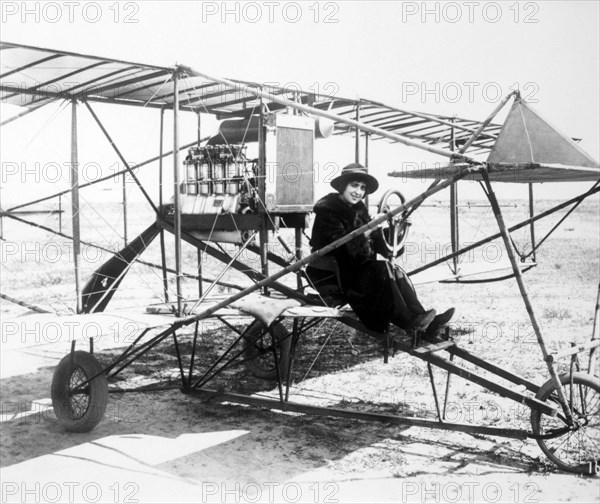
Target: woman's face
354, 192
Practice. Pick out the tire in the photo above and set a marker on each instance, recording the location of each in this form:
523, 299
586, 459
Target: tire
81, 411
577, 449
258, 350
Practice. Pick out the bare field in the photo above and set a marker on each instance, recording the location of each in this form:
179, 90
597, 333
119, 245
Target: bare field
169, 447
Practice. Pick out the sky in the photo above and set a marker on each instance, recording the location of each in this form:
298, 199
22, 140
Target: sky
438, 57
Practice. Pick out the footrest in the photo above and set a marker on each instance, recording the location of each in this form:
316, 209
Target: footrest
433, 347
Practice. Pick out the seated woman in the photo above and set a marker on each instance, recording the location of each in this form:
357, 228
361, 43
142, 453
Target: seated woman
377, 291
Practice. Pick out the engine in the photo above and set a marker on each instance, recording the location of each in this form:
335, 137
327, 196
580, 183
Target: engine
219, 178
225, 194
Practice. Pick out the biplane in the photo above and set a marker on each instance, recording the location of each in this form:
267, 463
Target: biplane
224, 195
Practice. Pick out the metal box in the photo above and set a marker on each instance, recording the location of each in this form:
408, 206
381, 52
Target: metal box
289, 153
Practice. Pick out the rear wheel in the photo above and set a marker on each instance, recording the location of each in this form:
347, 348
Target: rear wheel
572, 448
79, 406
258, 350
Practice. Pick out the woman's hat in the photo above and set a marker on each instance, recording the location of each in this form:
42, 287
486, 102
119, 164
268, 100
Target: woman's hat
355, 171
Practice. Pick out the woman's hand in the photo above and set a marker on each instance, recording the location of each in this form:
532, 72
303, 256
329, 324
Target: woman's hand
377, 216
379, 226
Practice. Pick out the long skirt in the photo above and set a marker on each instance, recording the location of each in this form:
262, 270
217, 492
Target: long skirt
380, 293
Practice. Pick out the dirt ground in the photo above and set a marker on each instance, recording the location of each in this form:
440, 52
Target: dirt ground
164, 446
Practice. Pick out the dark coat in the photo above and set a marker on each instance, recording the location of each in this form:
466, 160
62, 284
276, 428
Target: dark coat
366, 281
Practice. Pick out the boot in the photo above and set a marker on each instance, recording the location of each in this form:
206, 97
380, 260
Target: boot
438, 322
422, 321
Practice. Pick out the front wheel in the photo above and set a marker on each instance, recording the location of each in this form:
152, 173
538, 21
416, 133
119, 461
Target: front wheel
573, 448
258, 350
79, 404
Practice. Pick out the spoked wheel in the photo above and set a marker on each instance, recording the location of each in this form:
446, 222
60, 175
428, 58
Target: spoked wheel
572, 448
394, 235
78, 405
258, 350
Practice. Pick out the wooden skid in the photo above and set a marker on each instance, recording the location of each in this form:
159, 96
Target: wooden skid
489, 384
214, 395
503, 373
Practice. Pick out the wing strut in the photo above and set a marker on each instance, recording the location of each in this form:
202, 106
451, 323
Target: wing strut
454, 223
176, 202
24, 304
75, 204
519, 277
125, 163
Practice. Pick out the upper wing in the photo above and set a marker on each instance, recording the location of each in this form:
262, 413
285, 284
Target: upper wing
34, 76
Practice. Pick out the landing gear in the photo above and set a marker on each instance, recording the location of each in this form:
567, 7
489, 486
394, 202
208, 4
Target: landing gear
79, 404
258, 350
574, 448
